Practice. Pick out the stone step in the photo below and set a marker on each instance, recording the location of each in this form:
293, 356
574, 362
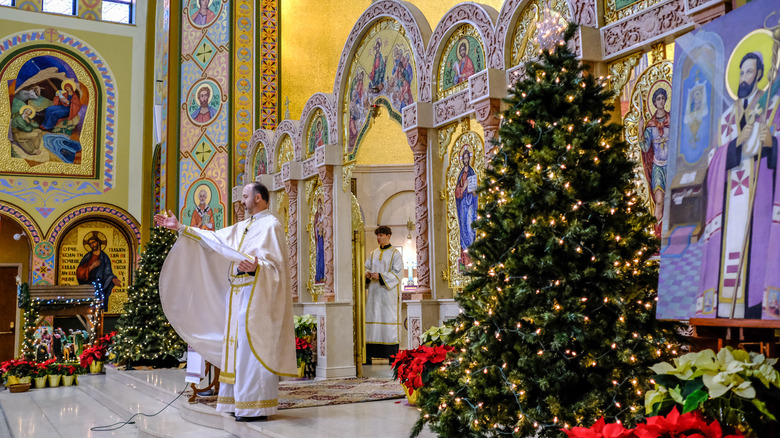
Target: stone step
162, 386
126, 396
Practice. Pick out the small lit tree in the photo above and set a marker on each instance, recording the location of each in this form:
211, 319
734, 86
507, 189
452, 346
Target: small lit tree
144, 334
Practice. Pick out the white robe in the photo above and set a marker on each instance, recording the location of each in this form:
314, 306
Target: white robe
383, 301
242, 322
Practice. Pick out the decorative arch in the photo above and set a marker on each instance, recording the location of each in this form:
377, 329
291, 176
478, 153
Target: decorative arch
285, 152
117, 241
387, 202
481, 18
261, 139
290, 129
463, 55
19, 216
510, 18
104, 211
315, 134
381, 74
327, 104
418, 32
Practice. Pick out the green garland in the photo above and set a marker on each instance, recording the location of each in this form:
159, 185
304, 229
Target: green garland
31, 315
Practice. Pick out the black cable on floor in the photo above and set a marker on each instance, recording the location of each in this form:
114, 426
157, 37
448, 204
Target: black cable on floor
119, 425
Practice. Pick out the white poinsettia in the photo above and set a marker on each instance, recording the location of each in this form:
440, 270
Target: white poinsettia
729, 370
688, 366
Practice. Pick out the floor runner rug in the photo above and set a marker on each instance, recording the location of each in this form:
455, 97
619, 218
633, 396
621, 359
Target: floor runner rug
311, 393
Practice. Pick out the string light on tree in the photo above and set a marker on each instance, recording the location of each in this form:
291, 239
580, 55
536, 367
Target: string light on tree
554, 328
144, 333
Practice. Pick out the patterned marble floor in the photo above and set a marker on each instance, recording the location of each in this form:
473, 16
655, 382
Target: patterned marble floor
102, 400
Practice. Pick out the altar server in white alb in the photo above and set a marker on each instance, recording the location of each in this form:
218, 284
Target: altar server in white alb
383, 275
227, 292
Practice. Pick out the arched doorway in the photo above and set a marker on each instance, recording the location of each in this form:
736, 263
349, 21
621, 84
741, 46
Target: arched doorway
14, 262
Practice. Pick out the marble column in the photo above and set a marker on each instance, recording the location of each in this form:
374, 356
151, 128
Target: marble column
486, 113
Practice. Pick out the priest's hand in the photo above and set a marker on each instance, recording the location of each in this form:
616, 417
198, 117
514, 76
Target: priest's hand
248, 265
368, 275
168, 221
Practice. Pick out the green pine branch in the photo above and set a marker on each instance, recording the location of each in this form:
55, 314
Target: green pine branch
558, 325
144, 333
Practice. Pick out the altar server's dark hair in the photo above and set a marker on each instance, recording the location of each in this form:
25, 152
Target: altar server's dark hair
383, 229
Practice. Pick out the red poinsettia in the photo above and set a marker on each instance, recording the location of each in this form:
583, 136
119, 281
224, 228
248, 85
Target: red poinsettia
304, 350
600, 430
42, 369
17, 367
674, 425
98, 352
411, 367
107, 339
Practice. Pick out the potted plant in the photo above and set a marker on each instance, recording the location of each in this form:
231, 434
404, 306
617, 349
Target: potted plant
305, 341
305, 327
413, 367
17, 371
55, 373
93, 357
40, 373
304, 354
69, 373
691, 424
734, 387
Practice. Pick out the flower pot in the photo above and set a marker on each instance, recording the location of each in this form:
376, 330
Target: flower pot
96, 367
40, 382
54, 380
411, 395
301, 369
68, 380
26, 379
12, 380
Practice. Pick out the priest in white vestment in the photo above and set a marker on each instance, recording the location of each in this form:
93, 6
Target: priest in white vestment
383, 301
227, 293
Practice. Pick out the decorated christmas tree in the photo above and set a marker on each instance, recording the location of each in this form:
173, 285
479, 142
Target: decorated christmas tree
144, 334
558, 326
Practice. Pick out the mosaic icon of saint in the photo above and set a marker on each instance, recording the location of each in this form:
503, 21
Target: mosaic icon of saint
203, 15
466, 205
654, 141
464, 67
203, 216
95, 266
205, 112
